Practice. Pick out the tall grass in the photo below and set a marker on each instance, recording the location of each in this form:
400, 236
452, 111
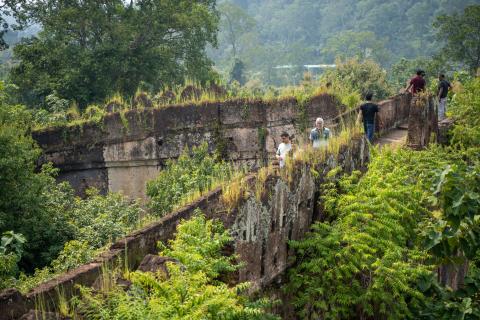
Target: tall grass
172, 95
306, 154
234, 191
262, 176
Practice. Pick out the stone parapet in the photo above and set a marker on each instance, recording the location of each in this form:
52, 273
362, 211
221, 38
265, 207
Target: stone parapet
261, 228
124, 151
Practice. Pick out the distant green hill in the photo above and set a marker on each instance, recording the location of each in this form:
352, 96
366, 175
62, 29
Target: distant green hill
285, 32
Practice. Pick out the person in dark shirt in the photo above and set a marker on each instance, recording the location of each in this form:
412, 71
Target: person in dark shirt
443, 87
368, 111
417, 83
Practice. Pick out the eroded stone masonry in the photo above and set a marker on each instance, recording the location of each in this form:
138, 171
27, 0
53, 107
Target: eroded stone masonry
123, 152
109, 155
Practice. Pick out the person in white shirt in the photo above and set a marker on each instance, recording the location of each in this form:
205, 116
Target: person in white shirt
319, 135
284, 148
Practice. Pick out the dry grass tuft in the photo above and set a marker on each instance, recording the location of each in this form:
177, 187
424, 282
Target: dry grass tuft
262, 177
234, 192
306, 154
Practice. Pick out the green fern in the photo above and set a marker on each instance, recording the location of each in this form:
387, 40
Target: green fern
191, 290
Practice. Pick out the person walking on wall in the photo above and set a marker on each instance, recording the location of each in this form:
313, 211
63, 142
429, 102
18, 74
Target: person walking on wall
417, 83
319, 135
368, 111
284, 148
442, 93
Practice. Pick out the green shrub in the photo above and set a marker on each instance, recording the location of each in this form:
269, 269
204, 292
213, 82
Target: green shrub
465, 108
94, 222
31, 202
194, 172
366, 262
361, 77
11, 249
99, 220
190, 291
198, 246
8, 269
74, 254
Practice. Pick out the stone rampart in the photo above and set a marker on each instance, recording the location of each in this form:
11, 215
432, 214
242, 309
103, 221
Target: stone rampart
126, 150
261, 228
423, 122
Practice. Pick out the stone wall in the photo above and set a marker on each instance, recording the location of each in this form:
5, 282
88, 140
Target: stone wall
261, 229
422, 122
124, 151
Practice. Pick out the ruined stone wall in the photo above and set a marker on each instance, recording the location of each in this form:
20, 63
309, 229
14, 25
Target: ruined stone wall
261, 228
123, 152
422, 122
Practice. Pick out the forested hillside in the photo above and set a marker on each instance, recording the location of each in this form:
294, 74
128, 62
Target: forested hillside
264, 34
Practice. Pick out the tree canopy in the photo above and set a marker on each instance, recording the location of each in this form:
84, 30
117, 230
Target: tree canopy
299, 32
87, 50
461, 35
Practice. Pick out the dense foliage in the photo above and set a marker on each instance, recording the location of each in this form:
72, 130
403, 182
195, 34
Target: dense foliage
92, 223
386, 234
11, 249
354, 76
191, 289
359, 264
193, 173
31, 203
377, 253
460, 34
465, 108
52, 225
88, 50
301, 32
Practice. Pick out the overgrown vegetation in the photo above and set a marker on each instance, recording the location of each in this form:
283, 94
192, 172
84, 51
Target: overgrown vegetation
377, 252
465, 108
385, 234
31, 203
352, 79
92, 223
358, 265
349, 83
182, 180
190, 290
46, 228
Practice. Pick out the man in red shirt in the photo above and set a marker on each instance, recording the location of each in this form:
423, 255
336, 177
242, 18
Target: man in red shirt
417, 83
